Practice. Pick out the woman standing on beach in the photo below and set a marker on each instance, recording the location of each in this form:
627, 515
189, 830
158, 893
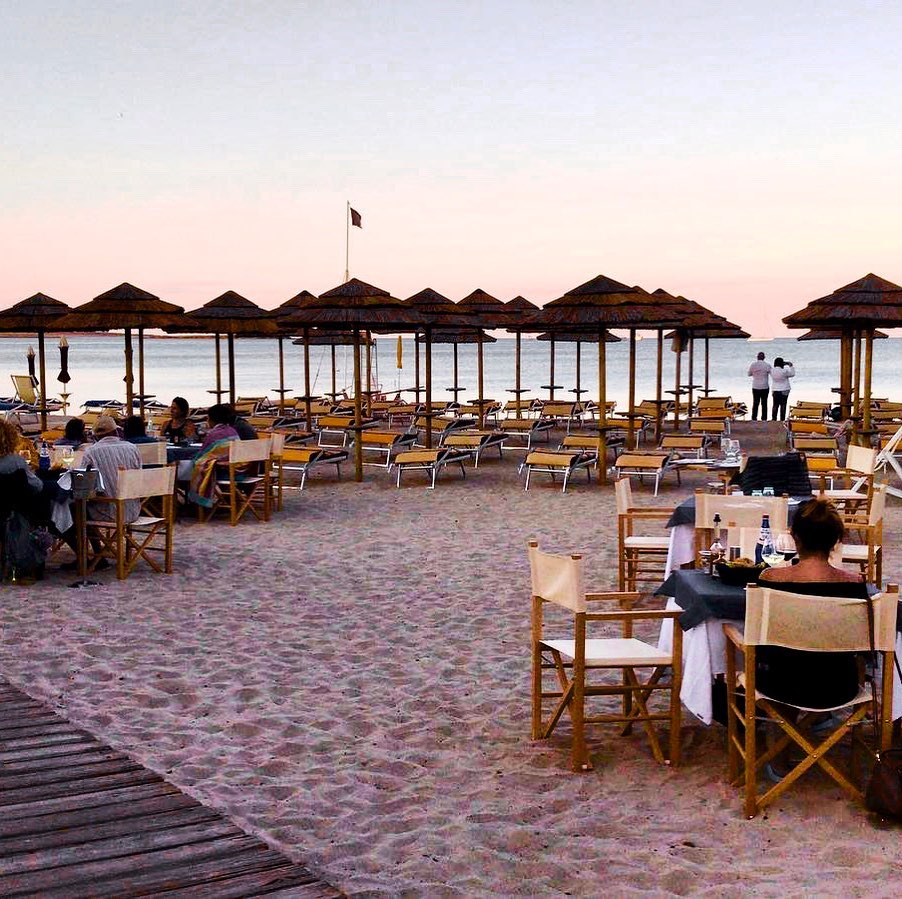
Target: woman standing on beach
779, 383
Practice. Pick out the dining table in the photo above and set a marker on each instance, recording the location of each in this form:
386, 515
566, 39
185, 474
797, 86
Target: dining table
707, 603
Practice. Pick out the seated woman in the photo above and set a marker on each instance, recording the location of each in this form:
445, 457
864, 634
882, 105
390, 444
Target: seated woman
74, 434
179, 428
134, 430
218, 418
11, 461
819, 680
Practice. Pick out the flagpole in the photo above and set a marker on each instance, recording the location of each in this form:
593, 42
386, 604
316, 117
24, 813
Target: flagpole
347, 239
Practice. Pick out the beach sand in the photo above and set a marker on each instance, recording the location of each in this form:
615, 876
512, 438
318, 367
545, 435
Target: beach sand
351, 683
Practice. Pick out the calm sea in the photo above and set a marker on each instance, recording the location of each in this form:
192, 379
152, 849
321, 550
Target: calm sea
178, 366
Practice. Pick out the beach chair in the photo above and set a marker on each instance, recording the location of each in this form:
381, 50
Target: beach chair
431, 461
813, 624
303, 458
25, 393
527, 429
525, 408
150, 535
640, 557
477, 442
568, 413
385, 443
625, 661
712, 427
244, 488
681, 446
645, 465
342, 425
613, 441
868, 556
805, 428
854, 500
402, 413
559, 462
816, 445
152, 453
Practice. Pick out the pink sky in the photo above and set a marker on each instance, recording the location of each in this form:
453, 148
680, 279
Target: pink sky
738, 156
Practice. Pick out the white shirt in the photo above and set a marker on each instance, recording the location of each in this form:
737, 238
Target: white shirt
780, 377
108, 455
758, 371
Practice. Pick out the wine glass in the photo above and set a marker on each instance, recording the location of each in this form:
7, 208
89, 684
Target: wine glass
786, 546
770, 553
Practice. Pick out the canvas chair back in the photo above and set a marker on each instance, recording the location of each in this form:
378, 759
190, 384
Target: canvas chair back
861, 459
557, 579
141, 483
623, 491
818, 623
878, 505
743, 511
25, 389
277, 441
152, 453
241, 451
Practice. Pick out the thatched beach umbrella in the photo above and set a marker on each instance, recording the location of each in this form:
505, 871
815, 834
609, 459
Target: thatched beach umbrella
856, 310
356, 306
230, 314
488, 312
37, 314
523, 312
833, 334
599, 305
578, 339
438, 314
127, 307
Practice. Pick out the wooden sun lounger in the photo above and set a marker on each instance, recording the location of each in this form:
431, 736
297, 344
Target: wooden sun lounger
303, 458
431, 461
388, 443
554, 462
644, 465
475, 441
340, 424
529, 428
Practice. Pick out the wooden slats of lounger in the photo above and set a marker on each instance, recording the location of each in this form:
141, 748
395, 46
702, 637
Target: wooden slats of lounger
564, 462
78, 818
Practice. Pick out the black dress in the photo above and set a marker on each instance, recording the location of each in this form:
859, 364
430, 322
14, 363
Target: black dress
814, 680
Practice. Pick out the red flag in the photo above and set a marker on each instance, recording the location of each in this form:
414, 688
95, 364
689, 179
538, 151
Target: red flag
356, 220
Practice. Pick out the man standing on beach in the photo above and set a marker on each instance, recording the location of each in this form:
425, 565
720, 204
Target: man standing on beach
759, 372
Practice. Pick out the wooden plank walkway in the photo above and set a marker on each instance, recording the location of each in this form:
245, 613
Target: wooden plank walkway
80, 819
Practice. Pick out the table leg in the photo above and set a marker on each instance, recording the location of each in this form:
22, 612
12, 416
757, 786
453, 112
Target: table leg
81, 537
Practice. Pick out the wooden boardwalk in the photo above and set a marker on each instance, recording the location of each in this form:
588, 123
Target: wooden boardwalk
80, 819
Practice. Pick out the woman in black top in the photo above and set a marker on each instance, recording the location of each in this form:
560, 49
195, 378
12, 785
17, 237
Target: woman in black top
179, 428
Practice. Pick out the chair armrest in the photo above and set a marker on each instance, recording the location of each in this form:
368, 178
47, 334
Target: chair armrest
645, 615
732, 634
649, 512
613, 597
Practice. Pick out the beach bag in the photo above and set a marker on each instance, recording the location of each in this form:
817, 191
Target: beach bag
24, 549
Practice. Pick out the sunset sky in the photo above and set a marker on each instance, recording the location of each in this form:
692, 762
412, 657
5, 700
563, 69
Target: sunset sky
746, 155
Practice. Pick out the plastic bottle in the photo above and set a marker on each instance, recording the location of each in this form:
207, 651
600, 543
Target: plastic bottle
44, 457
765, 540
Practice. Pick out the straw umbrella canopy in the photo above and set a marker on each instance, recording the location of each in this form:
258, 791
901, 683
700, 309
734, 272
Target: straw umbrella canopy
36, 314
488, 312
578, 339
230, 314
599, 305
833, 334
439, 315
127, 307
331, 339
356, 306
523, 311
856, 309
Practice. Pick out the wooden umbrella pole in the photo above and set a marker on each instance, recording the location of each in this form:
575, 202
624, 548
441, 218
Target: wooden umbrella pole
42, 363
141, 371
129, 376
579, 392
517, 337
707, 366
659, 375
308, 418
479, 386
856, 373
428, 387
358, 412
281, 377
868, 372
455, 372
551, 369
630, 428
416, 369
231, 345
691, 375
602, 410
218, 371
676, 406
334, 376
845, 387
369, 375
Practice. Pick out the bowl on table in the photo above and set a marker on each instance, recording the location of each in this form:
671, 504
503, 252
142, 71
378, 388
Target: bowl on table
734, 574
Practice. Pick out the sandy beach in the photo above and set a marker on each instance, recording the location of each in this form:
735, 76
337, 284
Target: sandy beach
351, 683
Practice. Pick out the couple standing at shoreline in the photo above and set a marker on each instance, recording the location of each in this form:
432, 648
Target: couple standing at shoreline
767, 379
